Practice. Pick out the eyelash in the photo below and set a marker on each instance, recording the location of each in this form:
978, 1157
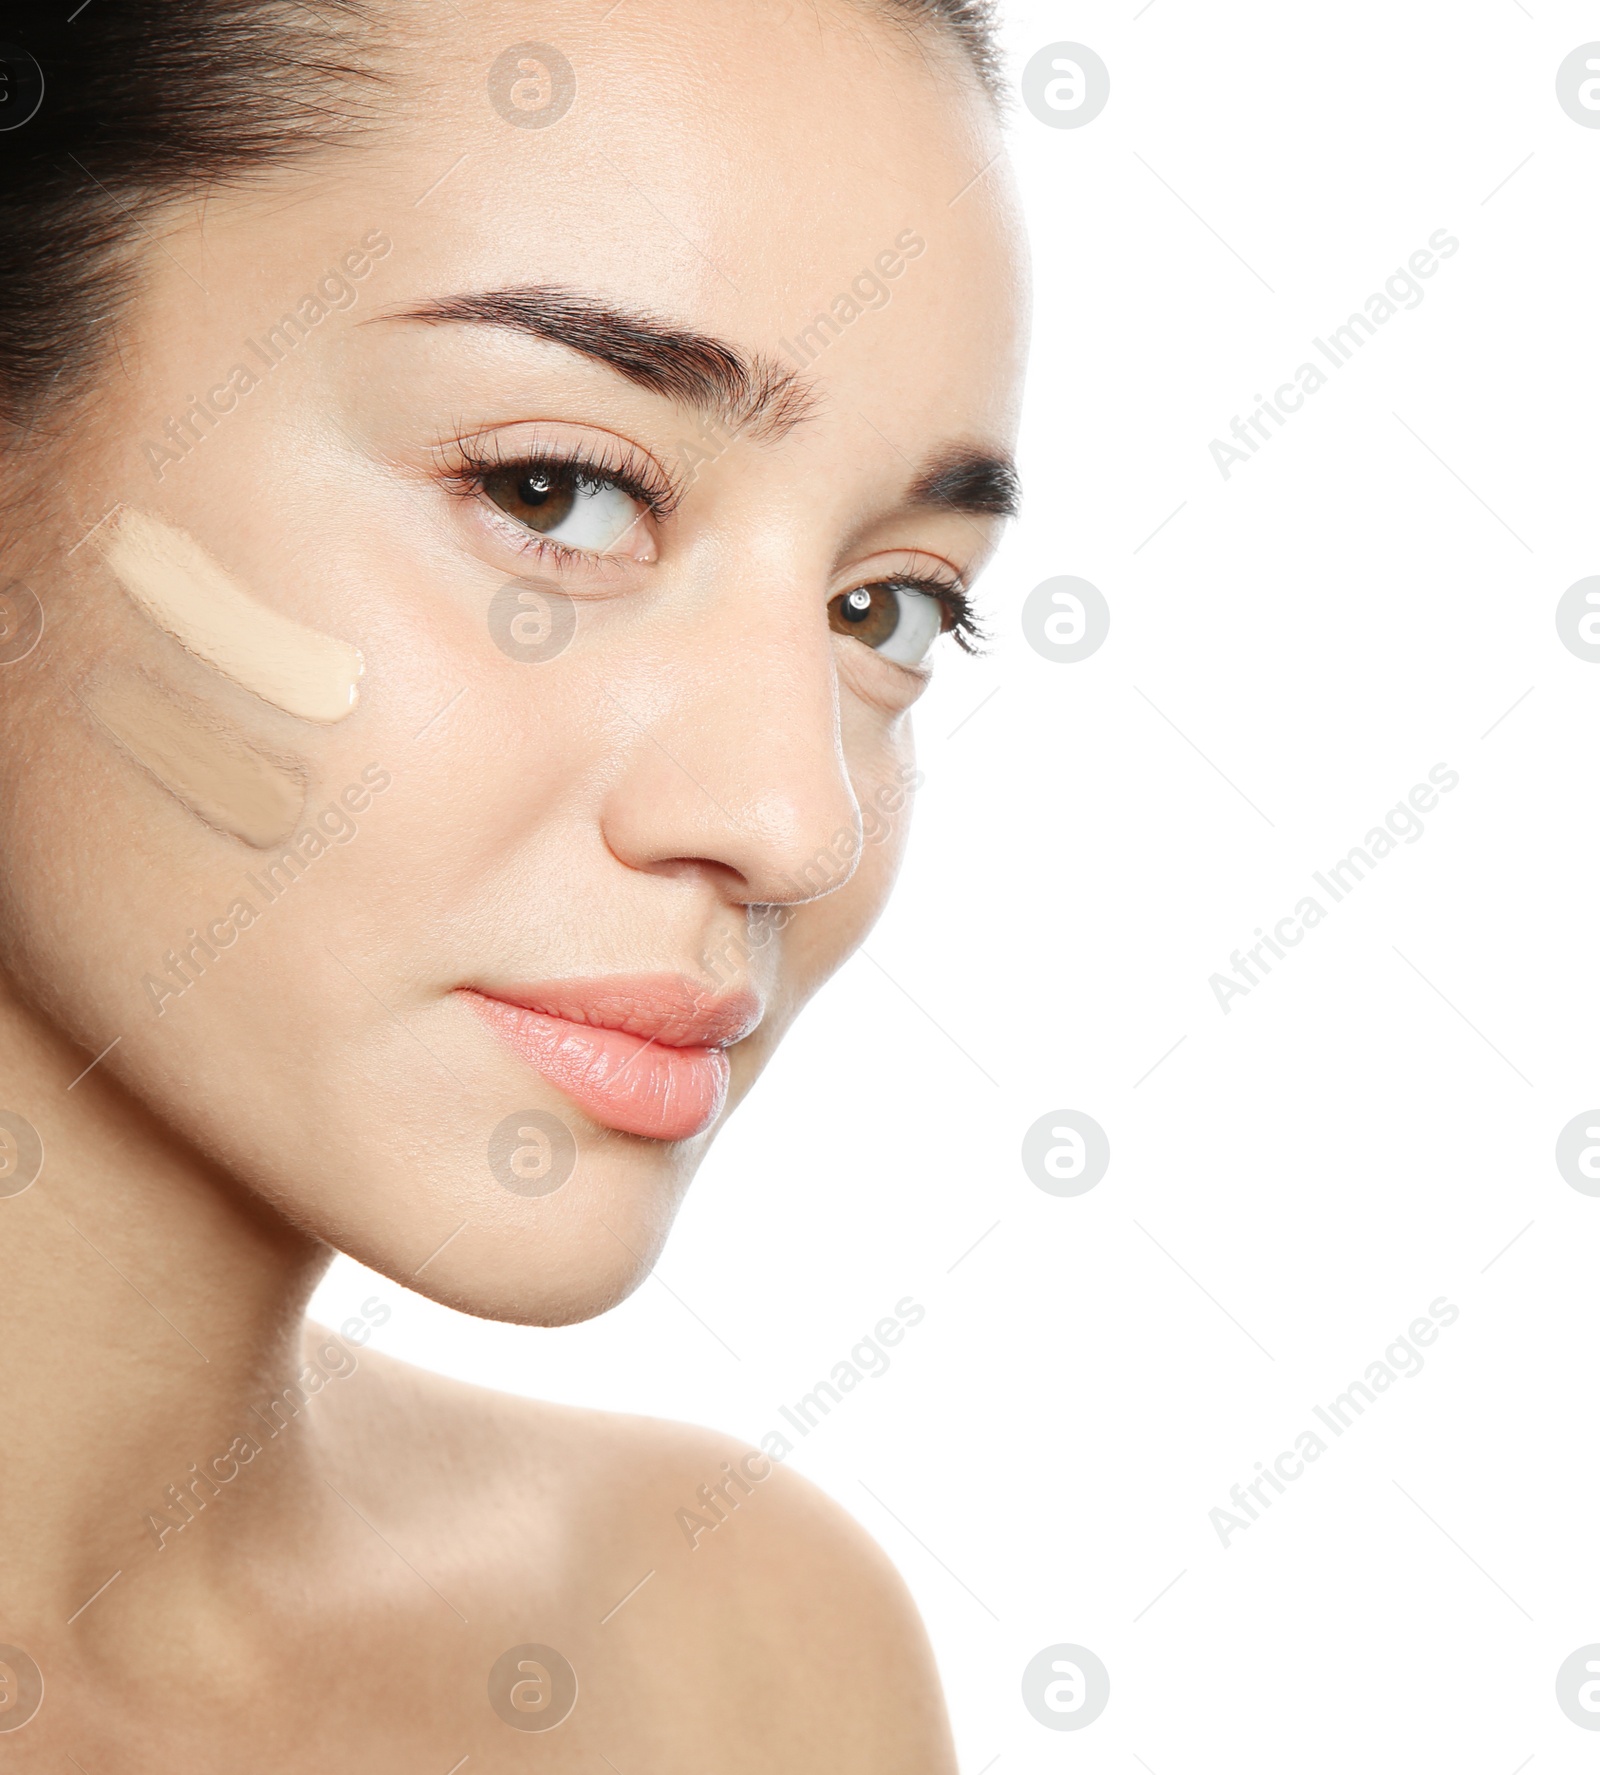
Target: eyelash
612, 467
601, 466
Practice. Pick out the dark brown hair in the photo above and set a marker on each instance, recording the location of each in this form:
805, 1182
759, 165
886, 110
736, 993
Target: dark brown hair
970, 22
146, 102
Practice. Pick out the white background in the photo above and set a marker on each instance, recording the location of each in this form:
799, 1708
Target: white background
1366, 1131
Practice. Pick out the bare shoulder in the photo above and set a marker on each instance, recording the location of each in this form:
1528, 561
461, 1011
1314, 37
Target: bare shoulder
824, 1659
707, 1582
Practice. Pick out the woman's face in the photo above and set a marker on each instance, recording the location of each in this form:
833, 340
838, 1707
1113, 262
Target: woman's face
640, 430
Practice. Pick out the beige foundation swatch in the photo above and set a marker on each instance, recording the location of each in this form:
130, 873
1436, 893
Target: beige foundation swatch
214, 774
206, 610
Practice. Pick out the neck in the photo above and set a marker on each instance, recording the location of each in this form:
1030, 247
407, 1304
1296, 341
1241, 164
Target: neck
148, 1309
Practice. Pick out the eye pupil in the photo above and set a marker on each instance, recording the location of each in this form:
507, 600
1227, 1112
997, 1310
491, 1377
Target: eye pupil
536, 489
858, 606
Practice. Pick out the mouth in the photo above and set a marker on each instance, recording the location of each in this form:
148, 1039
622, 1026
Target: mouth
642, 1053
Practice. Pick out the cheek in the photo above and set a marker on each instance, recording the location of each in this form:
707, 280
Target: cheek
133, 778
816, 940
823, 933
818, 937
205, 918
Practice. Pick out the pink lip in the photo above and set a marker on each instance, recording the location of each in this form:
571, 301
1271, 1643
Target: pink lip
641, 1053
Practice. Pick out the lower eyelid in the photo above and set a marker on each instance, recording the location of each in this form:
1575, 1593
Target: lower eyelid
531, 545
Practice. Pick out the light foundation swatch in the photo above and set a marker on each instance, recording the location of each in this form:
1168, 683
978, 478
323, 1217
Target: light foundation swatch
210, 614
213, 773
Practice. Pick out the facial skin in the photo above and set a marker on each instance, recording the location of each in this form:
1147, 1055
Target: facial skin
621, 808
683, 789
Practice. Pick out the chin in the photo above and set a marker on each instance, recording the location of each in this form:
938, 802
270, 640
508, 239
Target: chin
540, 1259
569, 1301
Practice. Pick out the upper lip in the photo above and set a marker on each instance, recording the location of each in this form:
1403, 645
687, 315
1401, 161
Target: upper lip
670, 1009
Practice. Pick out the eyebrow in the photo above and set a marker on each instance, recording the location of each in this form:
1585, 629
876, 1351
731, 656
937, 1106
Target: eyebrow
753, 393
979, 483
749, 392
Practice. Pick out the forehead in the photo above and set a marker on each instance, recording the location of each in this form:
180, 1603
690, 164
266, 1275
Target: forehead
743, 167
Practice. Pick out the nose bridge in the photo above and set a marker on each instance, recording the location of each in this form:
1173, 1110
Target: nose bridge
741, 763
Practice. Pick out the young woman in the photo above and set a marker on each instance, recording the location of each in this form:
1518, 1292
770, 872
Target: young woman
484, 485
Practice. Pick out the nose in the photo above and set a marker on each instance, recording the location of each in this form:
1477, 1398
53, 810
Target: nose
735, 762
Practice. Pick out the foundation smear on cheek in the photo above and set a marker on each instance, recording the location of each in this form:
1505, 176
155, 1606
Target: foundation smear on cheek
216, 775
209, 614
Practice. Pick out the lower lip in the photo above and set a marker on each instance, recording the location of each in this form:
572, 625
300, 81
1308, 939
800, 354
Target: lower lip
621, 1080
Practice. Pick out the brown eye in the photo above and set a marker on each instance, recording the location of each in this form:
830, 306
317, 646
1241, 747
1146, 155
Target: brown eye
870, 613
893, 619
566, 503
541, 498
